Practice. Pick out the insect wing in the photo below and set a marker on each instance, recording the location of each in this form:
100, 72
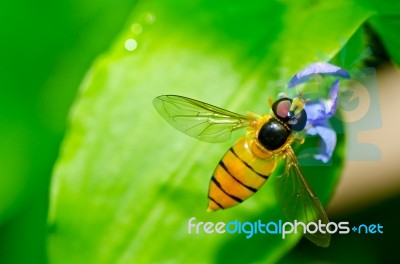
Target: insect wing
299, 202
198, 119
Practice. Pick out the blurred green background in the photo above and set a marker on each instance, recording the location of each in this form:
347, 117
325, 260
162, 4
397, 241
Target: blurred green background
235, 55
46, 48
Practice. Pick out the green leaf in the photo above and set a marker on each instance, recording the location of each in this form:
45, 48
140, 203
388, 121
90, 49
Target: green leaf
45, 51
385, 8
354, 52
388, 28
126, 183
385, 21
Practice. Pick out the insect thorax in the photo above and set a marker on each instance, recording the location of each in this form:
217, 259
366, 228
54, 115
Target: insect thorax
269, 136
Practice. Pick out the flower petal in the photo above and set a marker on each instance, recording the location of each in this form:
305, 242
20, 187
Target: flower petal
328, 137
315, 111
314, 69
323, 109
331, 103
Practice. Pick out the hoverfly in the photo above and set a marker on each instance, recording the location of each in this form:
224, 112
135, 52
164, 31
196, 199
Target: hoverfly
247, 165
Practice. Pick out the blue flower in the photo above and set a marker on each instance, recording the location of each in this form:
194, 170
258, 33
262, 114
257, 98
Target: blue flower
319, 111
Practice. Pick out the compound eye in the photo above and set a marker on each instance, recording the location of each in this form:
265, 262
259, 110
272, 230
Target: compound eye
298, 122
281, 108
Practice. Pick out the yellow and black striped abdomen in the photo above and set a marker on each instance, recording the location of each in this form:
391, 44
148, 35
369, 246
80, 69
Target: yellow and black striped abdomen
238, 175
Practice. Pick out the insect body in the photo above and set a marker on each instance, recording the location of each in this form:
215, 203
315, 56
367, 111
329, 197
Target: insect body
247, 165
